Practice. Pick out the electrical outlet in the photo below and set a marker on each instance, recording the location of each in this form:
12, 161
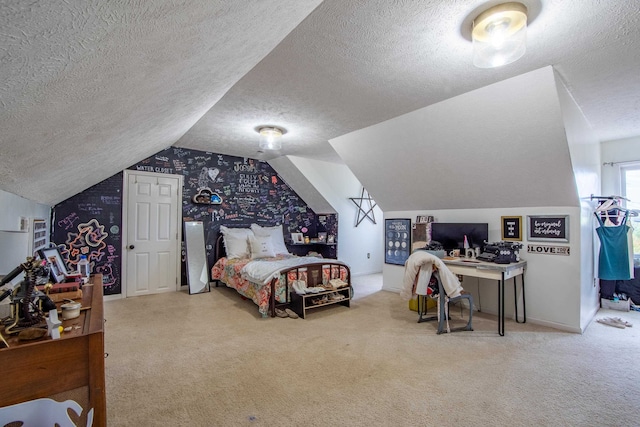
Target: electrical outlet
368, 255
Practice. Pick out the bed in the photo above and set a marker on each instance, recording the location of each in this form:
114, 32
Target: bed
256, 263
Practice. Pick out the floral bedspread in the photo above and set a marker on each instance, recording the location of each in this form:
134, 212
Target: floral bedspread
229, 271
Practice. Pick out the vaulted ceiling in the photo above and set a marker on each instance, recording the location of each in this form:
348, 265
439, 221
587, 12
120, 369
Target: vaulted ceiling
89, 88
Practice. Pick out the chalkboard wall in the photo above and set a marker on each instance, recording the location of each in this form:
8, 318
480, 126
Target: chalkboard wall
89, 224
250, 191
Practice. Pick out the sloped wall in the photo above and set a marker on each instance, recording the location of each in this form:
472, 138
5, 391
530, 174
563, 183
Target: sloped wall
585, 159
359, 246
499, 146
498, 150
299, 182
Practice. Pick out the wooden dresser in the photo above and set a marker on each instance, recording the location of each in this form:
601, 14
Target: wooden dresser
71, 367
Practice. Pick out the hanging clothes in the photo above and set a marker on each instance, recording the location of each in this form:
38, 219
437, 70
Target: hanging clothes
417, 274
630, 248
614, 258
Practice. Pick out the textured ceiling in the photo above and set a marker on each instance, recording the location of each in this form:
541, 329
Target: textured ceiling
89, 88
352, 64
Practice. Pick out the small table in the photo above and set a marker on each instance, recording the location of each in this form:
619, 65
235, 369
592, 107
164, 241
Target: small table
499, 272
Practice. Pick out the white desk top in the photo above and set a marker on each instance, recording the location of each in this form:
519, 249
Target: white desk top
483, 265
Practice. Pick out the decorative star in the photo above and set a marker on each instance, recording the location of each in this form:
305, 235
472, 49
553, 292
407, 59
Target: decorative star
369, 213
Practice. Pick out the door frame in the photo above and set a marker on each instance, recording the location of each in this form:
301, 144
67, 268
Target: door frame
124, 235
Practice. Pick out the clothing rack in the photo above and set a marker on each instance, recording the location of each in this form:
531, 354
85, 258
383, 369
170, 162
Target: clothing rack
603, 198
620, 163
610, 203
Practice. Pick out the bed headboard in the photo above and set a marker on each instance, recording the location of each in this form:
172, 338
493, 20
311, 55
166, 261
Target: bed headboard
219, 248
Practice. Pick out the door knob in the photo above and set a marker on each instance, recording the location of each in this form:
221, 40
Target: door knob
131, 246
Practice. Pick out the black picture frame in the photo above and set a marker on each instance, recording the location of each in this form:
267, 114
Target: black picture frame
511, 228
397, 240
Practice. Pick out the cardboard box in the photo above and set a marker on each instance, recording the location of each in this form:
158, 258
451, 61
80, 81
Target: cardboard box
621, 305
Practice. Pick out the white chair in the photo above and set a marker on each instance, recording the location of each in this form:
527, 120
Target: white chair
43, 413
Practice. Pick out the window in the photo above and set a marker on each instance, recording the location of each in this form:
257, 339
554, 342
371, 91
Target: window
630, 184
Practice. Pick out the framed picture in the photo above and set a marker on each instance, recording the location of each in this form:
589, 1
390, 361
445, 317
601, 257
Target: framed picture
297, 238
322, 237
511, 227
548, 228
397, 241
424, 219
331, 238
56, 264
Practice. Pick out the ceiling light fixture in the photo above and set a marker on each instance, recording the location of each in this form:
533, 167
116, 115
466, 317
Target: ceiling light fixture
499, 35
271, 137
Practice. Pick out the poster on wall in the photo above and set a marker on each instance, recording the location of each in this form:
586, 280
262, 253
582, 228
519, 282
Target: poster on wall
511, 228
397, 241
548, 228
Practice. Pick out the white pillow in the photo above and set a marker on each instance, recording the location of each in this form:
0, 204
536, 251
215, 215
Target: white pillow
261, 247
236, 241
277, 237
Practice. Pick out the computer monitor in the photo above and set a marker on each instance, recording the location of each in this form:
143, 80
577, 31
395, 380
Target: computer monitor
451, 234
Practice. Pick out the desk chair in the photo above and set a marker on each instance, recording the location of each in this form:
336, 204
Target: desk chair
43, 412
442, 309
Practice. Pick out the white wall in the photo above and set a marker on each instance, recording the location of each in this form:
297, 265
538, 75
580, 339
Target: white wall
552, 282
337, 184
298, 182
521, 145
584, 148
14, 245
499, 146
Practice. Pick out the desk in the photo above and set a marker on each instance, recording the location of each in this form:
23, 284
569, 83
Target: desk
72, 364
499, 272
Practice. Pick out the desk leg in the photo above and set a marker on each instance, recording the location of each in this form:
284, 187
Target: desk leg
501, 306
524, 302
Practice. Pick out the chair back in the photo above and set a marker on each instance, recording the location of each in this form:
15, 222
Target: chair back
43, 412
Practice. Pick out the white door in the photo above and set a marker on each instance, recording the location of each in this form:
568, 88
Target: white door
152, 233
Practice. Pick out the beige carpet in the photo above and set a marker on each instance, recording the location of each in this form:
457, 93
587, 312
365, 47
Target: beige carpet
209, 360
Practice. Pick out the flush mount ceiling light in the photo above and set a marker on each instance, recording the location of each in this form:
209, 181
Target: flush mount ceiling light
271, 137
499, 35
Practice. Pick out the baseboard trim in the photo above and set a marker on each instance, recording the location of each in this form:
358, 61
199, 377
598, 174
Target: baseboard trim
112, 297
364, 273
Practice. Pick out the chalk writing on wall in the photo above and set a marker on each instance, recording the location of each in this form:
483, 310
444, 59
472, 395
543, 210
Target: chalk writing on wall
251, 192
89, 223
